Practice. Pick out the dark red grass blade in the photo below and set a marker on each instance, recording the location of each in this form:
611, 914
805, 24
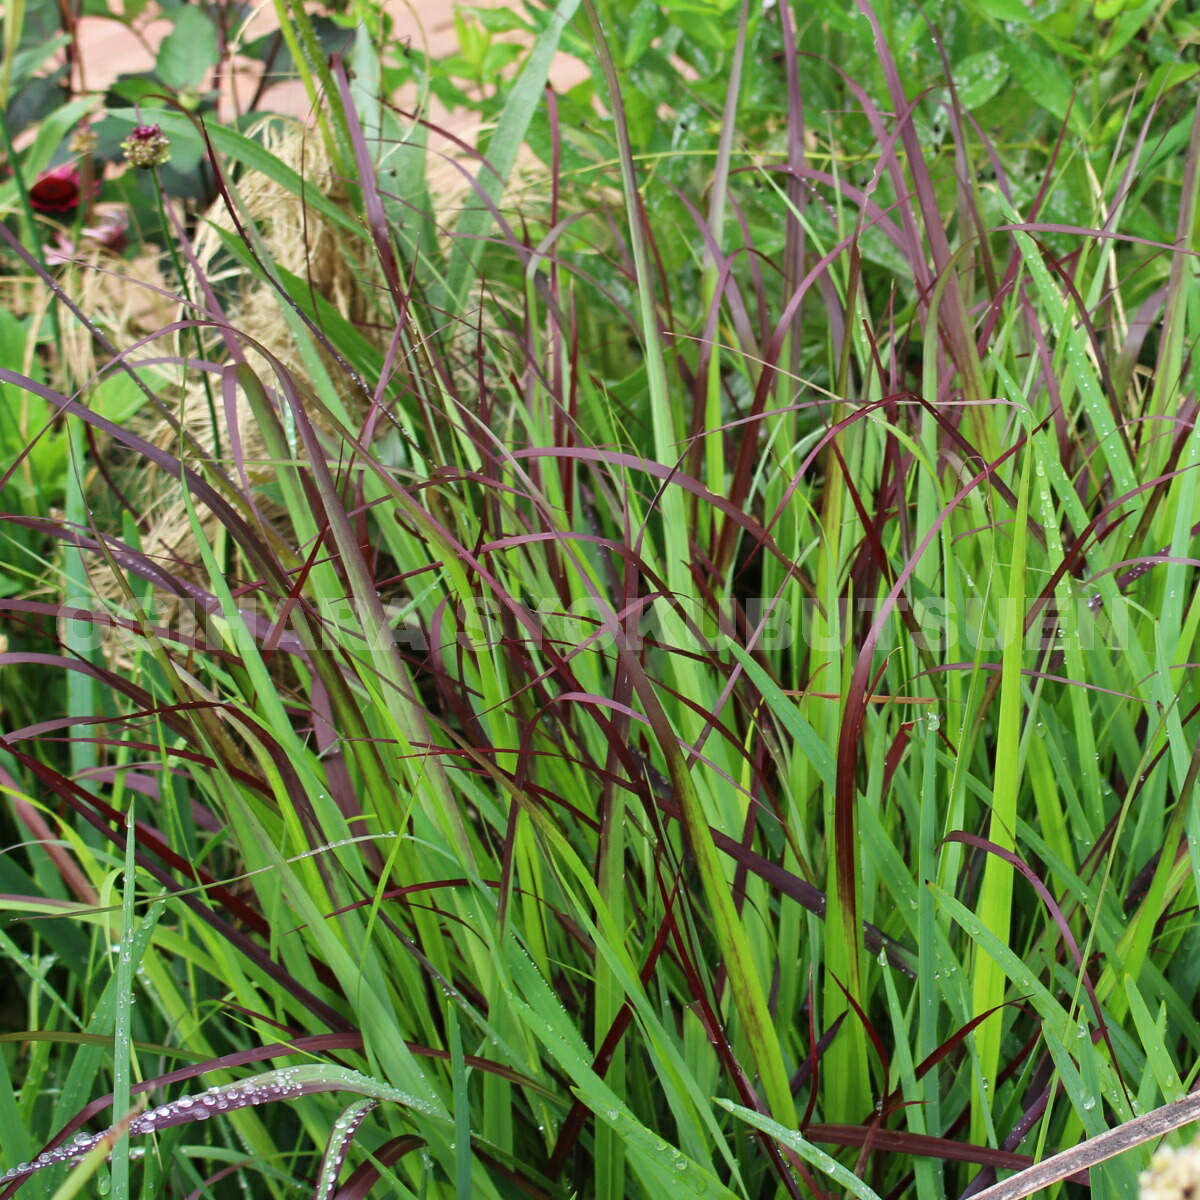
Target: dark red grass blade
810, 898
366, 1176
854, 717
795, 237
377, 221
922, 1145
953, 312
203, 1190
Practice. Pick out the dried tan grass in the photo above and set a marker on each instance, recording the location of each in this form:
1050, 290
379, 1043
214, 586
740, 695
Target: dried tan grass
299, 238
307, 245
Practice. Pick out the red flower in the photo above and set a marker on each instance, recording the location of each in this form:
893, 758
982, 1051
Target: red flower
57, 190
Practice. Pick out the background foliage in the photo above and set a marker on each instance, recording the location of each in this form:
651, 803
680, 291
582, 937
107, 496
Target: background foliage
657, 650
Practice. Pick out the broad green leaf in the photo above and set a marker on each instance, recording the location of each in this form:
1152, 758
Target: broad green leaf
996, 890
1158, 1058
51, 133
1044, 80
496, 20
706, 8
644, 25
1004, 10
979, 77
189, 51
117, 396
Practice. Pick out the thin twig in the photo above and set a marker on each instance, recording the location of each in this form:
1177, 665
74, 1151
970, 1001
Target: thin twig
1095, 1150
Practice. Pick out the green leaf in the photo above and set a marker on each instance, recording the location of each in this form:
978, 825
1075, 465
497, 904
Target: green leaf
711, 29
497, 20
1168, 76
996, 889
472, 39
118, 396
189, 51
979, 77
1005, 10
1044, 81
13, 343
707, 8
139, 91
664, 1171
28, 60
807, 1151
498, 56
23, 416
1090, 392
643, 28
640, 116
1158, 1057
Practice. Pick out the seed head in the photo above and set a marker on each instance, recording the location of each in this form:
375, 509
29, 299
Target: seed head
83, 140
1174, 1174
147, 146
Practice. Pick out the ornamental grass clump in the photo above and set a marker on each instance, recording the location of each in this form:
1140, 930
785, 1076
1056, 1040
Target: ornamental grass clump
684, 689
